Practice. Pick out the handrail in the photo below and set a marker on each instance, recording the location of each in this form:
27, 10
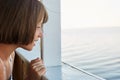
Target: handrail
21, 68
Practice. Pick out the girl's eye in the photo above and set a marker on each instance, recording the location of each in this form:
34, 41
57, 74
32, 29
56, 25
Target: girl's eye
38, 27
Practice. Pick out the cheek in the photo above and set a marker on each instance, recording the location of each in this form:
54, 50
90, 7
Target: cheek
36, 34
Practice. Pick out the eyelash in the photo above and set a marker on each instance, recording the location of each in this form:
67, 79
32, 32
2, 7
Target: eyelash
38, 27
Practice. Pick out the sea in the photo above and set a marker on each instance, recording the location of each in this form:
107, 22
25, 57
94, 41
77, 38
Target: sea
95, 50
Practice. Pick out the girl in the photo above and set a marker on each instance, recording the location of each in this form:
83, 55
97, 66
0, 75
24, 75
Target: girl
20, 26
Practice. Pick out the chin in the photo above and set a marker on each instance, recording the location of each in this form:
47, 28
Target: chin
29, 49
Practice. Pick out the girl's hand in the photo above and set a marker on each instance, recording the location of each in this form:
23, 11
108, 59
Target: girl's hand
37, 69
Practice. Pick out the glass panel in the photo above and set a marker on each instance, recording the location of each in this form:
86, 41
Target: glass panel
91, 36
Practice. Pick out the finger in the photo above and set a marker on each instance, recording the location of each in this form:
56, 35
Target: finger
38, 68
36, 60
42, 71
39, 71
37, 64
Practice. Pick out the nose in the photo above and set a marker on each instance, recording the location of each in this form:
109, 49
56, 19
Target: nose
40, 34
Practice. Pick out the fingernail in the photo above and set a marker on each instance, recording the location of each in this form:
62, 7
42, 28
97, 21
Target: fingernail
37, 58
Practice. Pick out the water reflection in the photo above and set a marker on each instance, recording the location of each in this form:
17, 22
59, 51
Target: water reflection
94, 50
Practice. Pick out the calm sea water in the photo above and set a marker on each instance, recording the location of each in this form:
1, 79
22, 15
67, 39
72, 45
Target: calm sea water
96, 50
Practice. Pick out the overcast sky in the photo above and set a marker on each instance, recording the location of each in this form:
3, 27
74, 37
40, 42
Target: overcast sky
90, 13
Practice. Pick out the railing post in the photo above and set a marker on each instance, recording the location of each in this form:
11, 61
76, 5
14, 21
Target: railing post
52, 34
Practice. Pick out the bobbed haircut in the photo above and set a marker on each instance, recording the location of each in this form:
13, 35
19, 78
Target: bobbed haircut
18, 20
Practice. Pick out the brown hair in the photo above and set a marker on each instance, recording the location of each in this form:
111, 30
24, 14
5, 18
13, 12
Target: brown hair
18, 20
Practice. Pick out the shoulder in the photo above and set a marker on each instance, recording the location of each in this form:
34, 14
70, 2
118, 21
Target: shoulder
12, 57
13, 54
1, 64
2, 70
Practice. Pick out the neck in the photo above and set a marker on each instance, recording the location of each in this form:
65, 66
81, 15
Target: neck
6, 50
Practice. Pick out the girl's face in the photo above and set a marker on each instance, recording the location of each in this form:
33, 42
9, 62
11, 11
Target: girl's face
38, 34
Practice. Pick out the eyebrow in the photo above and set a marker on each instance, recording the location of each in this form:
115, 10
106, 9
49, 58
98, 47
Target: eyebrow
40, 26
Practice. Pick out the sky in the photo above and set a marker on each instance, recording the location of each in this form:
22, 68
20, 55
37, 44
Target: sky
90, 13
